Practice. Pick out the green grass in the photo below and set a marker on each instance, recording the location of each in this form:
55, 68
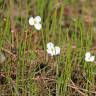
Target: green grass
68, 74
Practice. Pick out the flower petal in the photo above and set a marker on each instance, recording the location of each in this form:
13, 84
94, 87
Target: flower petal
50, 45
87, 59
88, 54
37, 18
48, 51
92, 58
51, 52
31, 21
57, 50
38, 26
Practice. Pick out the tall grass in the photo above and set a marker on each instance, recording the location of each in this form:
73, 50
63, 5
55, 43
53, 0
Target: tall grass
54, 29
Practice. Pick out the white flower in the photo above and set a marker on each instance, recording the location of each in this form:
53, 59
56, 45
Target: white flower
89, 57
36, 22
57, 50
53, 50
92, 58
50, 45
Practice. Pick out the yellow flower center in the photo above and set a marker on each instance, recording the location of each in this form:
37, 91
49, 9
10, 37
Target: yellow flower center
35, 22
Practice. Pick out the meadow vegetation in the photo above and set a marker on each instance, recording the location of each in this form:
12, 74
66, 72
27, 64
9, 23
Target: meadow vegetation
26, 68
